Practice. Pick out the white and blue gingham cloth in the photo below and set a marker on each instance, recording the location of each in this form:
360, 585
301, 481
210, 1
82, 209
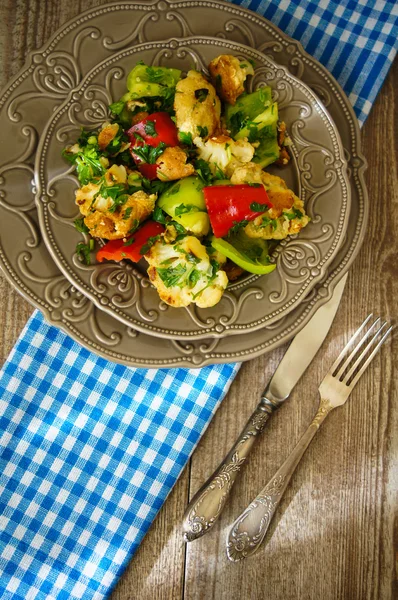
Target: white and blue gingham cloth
89, 449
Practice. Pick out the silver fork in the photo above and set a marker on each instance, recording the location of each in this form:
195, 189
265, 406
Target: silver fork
249, 529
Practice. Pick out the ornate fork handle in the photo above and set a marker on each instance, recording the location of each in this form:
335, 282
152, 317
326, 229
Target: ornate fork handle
249, 529
208, 503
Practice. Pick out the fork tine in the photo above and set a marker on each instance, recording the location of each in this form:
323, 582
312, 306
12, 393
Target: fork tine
370, 357
349, 344
351, 356
363, 353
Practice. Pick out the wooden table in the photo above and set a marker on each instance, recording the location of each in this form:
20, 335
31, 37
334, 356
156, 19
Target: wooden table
334, 534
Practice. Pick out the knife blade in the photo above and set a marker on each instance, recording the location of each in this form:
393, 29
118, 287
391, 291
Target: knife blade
304, 346
208, 503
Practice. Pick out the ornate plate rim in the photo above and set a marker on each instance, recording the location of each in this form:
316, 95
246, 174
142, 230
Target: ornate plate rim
358, 163
217, 330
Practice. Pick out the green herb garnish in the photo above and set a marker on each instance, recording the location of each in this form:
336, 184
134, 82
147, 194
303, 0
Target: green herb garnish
236, 226
267, 221
127, 213
150, 242
80, 225
193, 278
149, 154
203, 131
172, 275
182, 209
201, 94
129, 241
83, 251
158, 215
294, 214
257, 207
150, 129
185, 138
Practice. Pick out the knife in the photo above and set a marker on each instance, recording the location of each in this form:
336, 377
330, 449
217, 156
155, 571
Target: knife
208, 503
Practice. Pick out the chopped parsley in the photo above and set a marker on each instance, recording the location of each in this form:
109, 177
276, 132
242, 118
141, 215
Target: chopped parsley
83, 251
80, 225
267, 221
158, 215
182, 209
179, 228
237, 225
202, 131
185, 138
237, 121
294, 214
174, 189
202, 168
201, 94
135, 226
215, 268
130, 241
150, 242
127, 213
154, 75
150, 129
172, 276
149, 154
193, 278
257, 207
117, 107
88, 165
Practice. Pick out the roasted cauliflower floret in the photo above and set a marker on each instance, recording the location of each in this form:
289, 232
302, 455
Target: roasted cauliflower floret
286, 217
221, 151
116, 225
183, 273
268, 227
247, 173
228, 74
172, 164
108, 218
197, 106
107, 134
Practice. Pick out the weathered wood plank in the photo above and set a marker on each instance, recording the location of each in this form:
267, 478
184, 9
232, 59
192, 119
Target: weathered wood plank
334, 531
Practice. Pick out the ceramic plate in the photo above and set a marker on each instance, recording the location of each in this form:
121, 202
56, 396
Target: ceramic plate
24, 258
317, 173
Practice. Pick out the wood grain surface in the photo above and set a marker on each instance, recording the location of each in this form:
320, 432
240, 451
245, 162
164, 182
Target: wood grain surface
333, 536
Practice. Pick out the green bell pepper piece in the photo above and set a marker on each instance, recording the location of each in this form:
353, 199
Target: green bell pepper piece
186, 192
249, 253
197, 222
255, 116
150, 81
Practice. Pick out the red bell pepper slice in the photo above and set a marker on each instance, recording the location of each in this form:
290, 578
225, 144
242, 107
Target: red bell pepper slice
154, 129
148, 171
157, 127
228, 205
119, 250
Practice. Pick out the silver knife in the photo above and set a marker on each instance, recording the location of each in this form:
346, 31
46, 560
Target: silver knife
208, 503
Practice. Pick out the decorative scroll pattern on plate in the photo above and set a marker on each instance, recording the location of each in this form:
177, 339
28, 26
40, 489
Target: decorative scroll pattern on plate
202, 17
318, 168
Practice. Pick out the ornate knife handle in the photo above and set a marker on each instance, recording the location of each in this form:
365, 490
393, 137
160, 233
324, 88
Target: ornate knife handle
249, 529
208, 503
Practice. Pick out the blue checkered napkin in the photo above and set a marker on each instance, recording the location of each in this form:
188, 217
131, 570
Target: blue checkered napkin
89, 451
356, 40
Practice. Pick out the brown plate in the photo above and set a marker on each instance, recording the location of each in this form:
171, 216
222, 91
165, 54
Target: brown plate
24, 258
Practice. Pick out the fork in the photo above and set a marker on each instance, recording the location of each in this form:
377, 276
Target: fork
248, 531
